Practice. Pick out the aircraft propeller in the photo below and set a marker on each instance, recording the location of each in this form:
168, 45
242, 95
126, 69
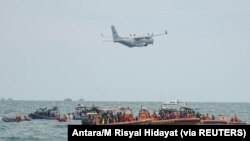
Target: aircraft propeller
152, 34
132, 35
166, 32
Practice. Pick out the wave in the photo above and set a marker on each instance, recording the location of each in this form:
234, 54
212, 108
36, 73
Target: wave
9, 111
20, 138
60, 125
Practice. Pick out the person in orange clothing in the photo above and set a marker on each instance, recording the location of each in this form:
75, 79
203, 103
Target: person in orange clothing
207, 117
18, 118
234, 119
154, 116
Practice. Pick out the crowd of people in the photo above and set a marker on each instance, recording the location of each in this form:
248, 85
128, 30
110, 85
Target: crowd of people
107, 117
176, 114
47, 112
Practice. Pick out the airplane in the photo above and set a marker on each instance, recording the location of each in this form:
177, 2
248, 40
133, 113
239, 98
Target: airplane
133, 40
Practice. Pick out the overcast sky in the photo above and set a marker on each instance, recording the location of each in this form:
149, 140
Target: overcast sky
52, 49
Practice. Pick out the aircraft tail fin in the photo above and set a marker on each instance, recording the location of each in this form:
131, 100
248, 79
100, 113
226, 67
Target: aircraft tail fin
115, 34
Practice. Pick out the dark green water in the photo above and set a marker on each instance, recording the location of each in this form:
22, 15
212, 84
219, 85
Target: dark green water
46, 130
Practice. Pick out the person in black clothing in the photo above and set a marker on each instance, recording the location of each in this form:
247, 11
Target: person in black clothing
213, 117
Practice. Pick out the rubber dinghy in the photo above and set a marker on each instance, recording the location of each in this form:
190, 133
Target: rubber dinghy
44, 113
14, 119
39, 116
8, 119
236, 121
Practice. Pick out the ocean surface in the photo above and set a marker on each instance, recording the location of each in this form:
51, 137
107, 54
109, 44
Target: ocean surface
48, 130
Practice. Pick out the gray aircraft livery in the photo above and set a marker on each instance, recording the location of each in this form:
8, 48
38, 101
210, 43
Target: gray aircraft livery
133, 40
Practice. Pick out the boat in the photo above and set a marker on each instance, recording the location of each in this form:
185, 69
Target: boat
10, 119
89, 118
115, 116
81, 111
136, 122
176, 102
39, 116
163, 119
62, 119
44, 113
15, 119
67, 99
207, 120
81, 100
176, 116
10, 99
181, 121
236, 121
213, 122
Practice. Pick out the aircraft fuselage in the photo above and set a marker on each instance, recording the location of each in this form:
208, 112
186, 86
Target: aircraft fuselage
131, 42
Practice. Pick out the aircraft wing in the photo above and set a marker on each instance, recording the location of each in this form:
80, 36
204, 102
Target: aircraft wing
160, 34
149, 36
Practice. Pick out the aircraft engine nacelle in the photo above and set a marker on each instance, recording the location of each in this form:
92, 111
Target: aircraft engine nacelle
150, 41
140, 44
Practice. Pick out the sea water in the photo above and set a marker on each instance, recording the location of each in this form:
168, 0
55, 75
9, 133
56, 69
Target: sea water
50, 130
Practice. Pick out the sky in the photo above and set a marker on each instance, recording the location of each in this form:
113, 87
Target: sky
52, 50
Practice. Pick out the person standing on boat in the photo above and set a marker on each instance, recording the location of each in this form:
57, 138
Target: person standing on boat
213, 117
111, 117
222, 117
198, 115
118, 117
207, 117
154, 116
108, 117
65, 118
234, 119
